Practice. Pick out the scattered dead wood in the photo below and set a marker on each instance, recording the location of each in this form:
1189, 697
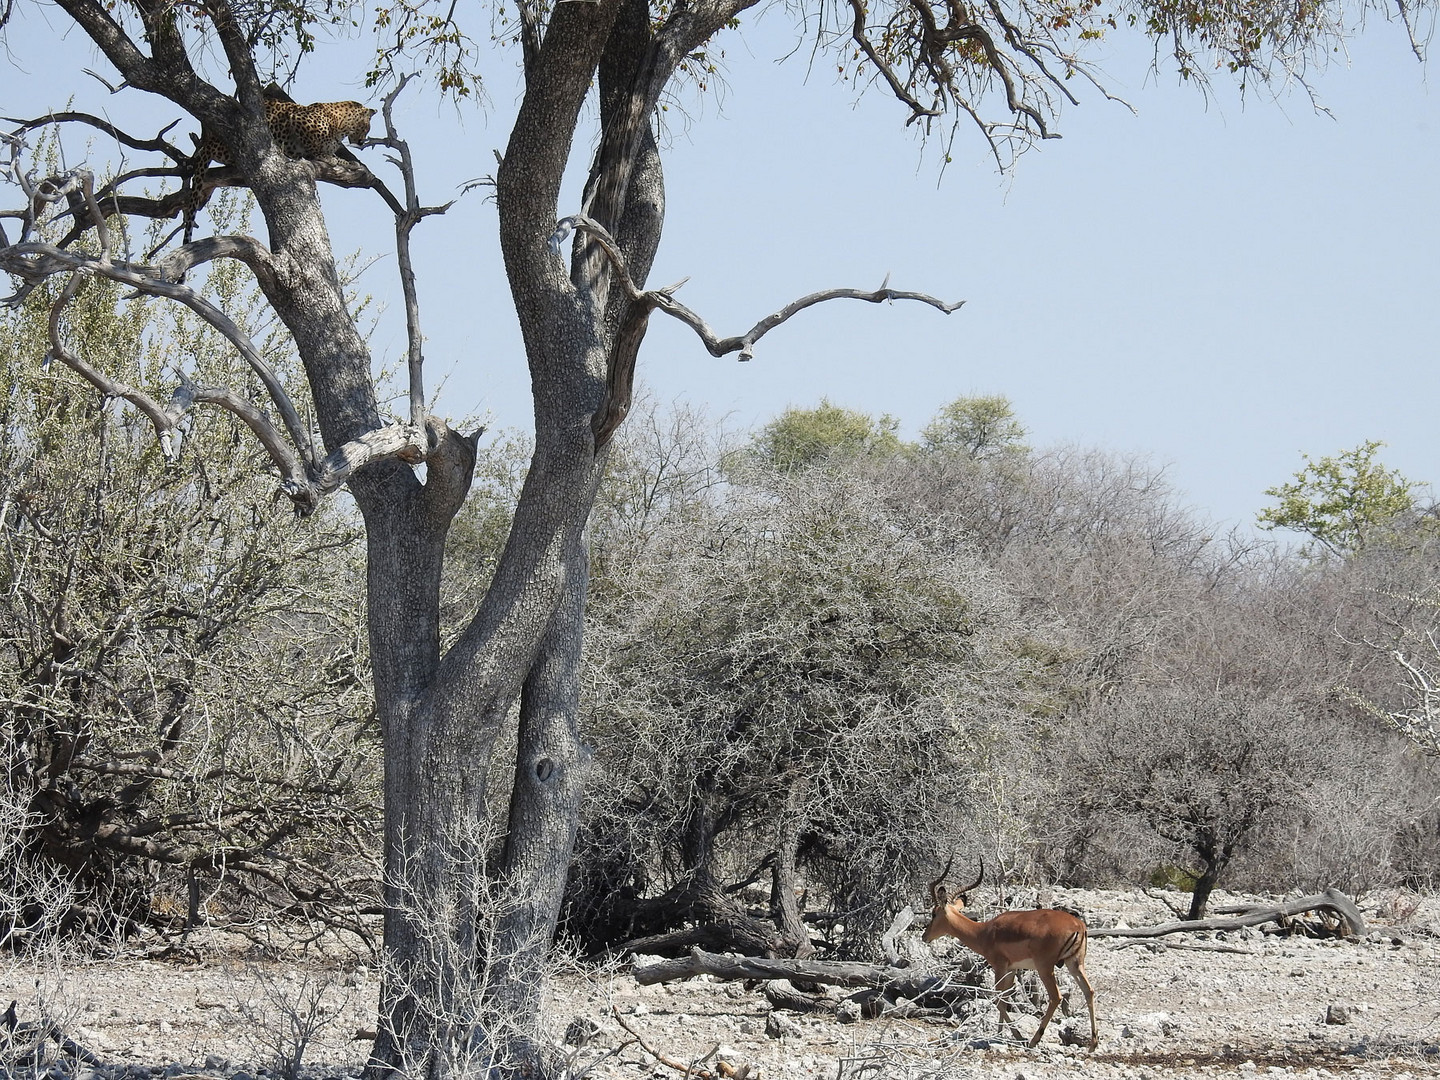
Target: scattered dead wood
874, 1003
1331, 902
23, 1042
1185, 945
724, 1070
782, 994
883, 989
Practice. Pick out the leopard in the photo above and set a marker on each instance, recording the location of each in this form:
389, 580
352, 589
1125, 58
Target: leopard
299, 131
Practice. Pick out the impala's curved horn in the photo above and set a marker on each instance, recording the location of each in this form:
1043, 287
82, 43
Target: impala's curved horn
976, 883
937, 894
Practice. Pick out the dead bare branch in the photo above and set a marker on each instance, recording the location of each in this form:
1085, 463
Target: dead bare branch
35, 261
406, 219
304, 479
1186, 946
114, 88
744, 344
157, 144
1177, 910
693, 1068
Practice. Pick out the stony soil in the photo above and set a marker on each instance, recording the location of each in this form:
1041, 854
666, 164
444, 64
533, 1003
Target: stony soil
1242, 1004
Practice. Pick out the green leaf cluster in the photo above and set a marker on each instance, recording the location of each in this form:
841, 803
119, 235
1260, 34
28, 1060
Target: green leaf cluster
982, 427
1341, 501
798, 438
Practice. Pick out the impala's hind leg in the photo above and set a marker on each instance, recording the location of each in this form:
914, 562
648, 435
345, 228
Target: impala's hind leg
1052, 991
1076, 968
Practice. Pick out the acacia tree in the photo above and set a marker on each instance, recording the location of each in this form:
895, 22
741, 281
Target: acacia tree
800, 438
1005, 63
1343, 501
808, 652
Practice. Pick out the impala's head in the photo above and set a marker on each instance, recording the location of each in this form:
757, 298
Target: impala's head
944, 905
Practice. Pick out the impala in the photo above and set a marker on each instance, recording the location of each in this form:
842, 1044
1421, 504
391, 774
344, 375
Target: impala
1041, 940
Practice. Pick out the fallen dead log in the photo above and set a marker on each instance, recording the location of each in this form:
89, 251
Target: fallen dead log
882, 989
23, 1042
1331, 900
907, 982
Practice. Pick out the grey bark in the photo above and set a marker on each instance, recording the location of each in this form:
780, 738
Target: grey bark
469, 913
440, 716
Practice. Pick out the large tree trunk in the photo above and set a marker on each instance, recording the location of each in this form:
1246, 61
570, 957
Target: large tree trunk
472, 927
470, 905
1214, 857
785, 873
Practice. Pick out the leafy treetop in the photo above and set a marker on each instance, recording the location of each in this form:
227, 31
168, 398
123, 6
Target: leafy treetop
801, 437
982, 427
1341, 501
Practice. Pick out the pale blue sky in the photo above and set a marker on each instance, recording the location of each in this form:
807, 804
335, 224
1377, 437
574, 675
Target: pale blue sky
1219, 287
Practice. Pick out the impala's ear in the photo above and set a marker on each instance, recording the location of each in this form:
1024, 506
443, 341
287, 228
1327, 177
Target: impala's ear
940, 898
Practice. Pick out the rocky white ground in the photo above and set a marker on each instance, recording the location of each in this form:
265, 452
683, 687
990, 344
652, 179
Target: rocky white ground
1173, 1007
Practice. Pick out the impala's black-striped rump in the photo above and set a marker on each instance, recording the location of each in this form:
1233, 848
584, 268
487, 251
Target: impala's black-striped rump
1073, 949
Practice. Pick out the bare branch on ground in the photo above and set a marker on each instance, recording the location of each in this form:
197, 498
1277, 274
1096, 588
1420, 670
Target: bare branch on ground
1331, 900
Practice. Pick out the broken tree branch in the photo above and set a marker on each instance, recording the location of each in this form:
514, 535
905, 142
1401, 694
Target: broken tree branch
744, 344
724, 1070
692, 1069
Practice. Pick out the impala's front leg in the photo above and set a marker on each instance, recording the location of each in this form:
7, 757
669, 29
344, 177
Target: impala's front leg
1003, 982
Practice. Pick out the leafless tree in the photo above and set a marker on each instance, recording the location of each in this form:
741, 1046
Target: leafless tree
1204, 769
160, 779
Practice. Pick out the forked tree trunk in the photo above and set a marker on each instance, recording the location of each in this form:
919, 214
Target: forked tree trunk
472, 902
1214, 857
470, 906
